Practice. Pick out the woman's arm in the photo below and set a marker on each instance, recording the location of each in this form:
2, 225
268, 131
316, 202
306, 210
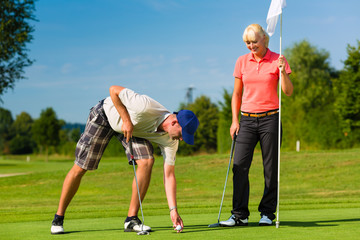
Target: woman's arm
235, 106
286, 84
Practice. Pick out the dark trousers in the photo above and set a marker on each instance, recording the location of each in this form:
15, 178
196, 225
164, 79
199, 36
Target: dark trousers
252, 130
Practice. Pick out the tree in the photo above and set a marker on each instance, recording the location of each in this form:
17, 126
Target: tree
225, 119
6, 121
308, 114
75, 134
311, 75
348, 93
46, 130
15, 34
22, 124
205, 136
22, 143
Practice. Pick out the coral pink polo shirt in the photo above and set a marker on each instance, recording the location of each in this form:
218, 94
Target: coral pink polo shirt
260, 81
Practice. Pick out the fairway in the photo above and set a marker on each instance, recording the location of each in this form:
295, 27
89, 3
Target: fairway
319, 198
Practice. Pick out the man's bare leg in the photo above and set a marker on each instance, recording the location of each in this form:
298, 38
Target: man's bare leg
70, 187
143, 173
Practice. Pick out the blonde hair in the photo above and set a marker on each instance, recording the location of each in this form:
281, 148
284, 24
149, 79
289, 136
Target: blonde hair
251, 30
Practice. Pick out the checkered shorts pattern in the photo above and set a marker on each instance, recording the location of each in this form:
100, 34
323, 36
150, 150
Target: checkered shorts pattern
96, 137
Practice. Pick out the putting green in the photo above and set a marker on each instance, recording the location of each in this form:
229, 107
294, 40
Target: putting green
294, 224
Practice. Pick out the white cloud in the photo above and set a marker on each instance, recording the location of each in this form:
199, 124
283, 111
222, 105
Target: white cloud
93, 62
130, 61
36, 70
67, 68
141, 67
212, 62
141, 61
181, 59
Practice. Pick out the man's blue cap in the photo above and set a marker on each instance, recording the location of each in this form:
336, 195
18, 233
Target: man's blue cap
189, 123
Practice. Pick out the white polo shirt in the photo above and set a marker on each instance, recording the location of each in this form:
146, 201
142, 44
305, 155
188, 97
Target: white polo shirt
146, 115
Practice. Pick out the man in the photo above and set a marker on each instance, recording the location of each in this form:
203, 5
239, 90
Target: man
140, 119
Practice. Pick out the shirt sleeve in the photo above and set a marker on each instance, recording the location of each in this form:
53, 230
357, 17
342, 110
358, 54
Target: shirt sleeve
169, 152
287, 67
237, 70
133, 101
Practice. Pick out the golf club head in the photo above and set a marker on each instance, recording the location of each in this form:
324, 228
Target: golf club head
214, 225
143, 233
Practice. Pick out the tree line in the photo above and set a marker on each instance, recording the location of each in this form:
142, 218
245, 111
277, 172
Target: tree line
322, 113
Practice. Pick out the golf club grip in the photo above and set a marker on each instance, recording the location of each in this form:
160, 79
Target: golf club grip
233, 145
131, 149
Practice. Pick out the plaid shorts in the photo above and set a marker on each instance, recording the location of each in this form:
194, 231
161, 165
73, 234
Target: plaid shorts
96, 137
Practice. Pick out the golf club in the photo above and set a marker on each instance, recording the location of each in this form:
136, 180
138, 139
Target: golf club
227, 174
142, 232
279, 139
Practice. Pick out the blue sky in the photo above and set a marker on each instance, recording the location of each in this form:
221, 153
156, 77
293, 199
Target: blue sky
159, 48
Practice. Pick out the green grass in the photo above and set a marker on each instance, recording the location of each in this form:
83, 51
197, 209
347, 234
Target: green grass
319, 198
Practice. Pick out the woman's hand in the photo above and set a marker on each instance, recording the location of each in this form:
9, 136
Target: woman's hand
286, 83
234, 129
281, 63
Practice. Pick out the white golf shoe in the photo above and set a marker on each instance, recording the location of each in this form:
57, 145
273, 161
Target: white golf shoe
57, 225
265, 221
234, 221
134, 225
57, 229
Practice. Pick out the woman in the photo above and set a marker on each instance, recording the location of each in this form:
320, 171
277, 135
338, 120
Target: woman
255, 93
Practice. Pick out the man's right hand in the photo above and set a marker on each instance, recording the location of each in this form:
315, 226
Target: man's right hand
176, 219
127, 128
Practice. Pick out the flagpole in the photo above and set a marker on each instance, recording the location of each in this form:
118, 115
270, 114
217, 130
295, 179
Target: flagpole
279, 132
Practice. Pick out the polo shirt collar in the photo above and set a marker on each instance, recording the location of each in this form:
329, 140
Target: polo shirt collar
266, 57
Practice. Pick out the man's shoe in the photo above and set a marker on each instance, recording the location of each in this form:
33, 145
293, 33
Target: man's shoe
234, 221
265, 221
57, 225
134, 225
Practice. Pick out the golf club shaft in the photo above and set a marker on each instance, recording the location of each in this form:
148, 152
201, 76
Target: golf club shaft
137, 185
279, 140
227, 174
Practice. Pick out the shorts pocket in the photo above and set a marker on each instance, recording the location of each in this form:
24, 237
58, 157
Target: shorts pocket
83, 146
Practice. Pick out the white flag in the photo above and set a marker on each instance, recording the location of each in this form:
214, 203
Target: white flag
275, 10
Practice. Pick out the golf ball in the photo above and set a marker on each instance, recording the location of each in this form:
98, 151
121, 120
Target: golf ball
178, 227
